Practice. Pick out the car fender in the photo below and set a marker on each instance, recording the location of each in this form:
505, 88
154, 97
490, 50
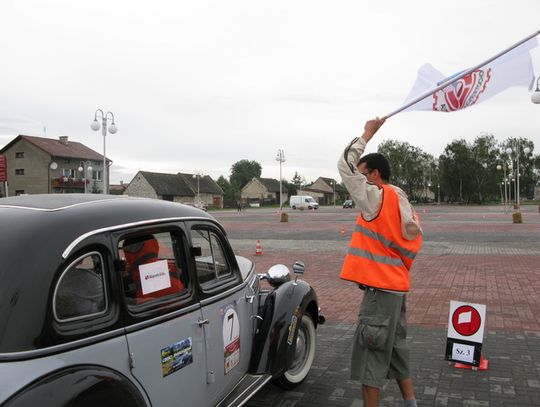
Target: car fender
79, 386
279, 314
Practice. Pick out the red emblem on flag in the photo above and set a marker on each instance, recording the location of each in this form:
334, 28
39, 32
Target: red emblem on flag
462, 93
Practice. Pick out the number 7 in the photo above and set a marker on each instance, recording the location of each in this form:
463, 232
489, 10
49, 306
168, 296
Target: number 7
231, 316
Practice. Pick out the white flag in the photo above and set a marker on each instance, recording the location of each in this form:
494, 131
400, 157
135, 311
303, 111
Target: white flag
514, 68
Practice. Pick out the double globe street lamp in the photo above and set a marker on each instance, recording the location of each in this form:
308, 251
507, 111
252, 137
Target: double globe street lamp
112, 129
198, 175
85, 168
505, 181
281, 158
517, 151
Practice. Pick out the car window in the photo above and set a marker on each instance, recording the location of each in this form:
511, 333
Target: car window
80, 291
153, 267
212, 264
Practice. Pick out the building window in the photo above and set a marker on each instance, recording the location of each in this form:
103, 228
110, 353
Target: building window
19, 155
19, 171
68, 172
96, 175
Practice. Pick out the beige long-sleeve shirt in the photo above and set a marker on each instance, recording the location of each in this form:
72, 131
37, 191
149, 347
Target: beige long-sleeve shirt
368, 197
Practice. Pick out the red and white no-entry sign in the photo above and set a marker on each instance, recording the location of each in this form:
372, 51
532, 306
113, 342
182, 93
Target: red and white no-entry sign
466, 321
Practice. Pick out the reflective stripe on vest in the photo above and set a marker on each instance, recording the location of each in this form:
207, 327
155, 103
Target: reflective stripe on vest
393, 261
377, 236
378, 255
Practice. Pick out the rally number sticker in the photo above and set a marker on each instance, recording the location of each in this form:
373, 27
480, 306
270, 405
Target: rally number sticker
231, 337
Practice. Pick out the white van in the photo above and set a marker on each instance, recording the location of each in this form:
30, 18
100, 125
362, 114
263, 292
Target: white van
303, 202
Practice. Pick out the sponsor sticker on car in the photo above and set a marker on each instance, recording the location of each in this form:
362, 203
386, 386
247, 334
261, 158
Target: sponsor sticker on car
176, 356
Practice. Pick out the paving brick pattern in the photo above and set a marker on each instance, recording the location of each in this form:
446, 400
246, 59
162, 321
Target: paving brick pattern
471, 254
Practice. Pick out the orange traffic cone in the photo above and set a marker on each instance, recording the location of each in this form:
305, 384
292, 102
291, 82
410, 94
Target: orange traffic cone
343, 231
258, 248
484, 365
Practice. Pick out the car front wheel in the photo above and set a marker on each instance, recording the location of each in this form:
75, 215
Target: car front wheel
303, 355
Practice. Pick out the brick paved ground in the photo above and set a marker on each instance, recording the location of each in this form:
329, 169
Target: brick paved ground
471, 254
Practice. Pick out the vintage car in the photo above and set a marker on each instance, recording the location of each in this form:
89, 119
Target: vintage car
120, 301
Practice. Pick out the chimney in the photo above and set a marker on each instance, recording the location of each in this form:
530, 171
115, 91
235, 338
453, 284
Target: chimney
63, 140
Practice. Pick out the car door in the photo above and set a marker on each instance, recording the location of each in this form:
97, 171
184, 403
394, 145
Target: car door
227, 308
164, 333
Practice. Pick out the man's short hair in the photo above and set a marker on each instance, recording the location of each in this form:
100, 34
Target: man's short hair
376, 161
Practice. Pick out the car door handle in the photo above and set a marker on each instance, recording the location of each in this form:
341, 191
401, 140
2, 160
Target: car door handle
202, 322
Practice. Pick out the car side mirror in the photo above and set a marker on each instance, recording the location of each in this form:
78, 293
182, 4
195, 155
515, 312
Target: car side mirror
299, 267
196, 251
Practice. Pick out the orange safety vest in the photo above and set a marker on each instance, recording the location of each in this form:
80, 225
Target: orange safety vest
378, 255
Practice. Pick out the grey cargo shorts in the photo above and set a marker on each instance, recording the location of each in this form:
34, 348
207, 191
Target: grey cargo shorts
380, 348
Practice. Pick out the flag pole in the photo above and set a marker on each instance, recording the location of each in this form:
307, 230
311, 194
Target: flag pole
451, 80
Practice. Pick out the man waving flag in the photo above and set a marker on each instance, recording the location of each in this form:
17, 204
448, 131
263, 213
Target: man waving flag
434, 91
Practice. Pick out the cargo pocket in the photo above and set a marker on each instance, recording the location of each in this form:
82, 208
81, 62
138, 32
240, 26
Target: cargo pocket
373, 331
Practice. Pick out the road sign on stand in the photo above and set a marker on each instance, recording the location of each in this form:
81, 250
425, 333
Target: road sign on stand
466, 322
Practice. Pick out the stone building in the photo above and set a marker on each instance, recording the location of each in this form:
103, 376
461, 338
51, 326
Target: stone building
182, 188
325, 190
263, 191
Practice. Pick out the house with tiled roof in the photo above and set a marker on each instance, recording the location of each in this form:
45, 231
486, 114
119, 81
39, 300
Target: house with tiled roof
184, 188
324, 190
263, 191
40, 165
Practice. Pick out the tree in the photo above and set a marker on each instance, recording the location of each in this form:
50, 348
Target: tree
95, 189
297, 183
454, 165
243, 171
231, 193
484, 154
412, 169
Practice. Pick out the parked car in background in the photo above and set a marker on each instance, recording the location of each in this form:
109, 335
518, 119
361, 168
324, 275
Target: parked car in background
303, 202
349, 203
122, 301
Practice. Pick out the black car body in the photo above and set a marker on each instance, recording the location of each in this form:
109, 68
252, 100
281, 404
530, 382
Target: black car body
84, 321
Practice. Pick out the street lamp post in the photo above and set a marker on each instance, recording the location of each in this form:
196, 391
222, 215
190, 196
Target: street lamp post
85, 168
517, 151
52, 166
281, 158
438, 194
503, 168
198, 175
535, 97
112, 129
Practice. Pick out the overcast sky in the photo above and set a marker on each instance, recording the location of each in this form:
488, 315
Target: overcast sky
198, 85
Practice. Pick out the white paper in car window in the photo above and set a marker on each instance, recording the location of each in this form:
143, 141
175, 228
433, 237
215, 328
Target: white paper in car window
154, 276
